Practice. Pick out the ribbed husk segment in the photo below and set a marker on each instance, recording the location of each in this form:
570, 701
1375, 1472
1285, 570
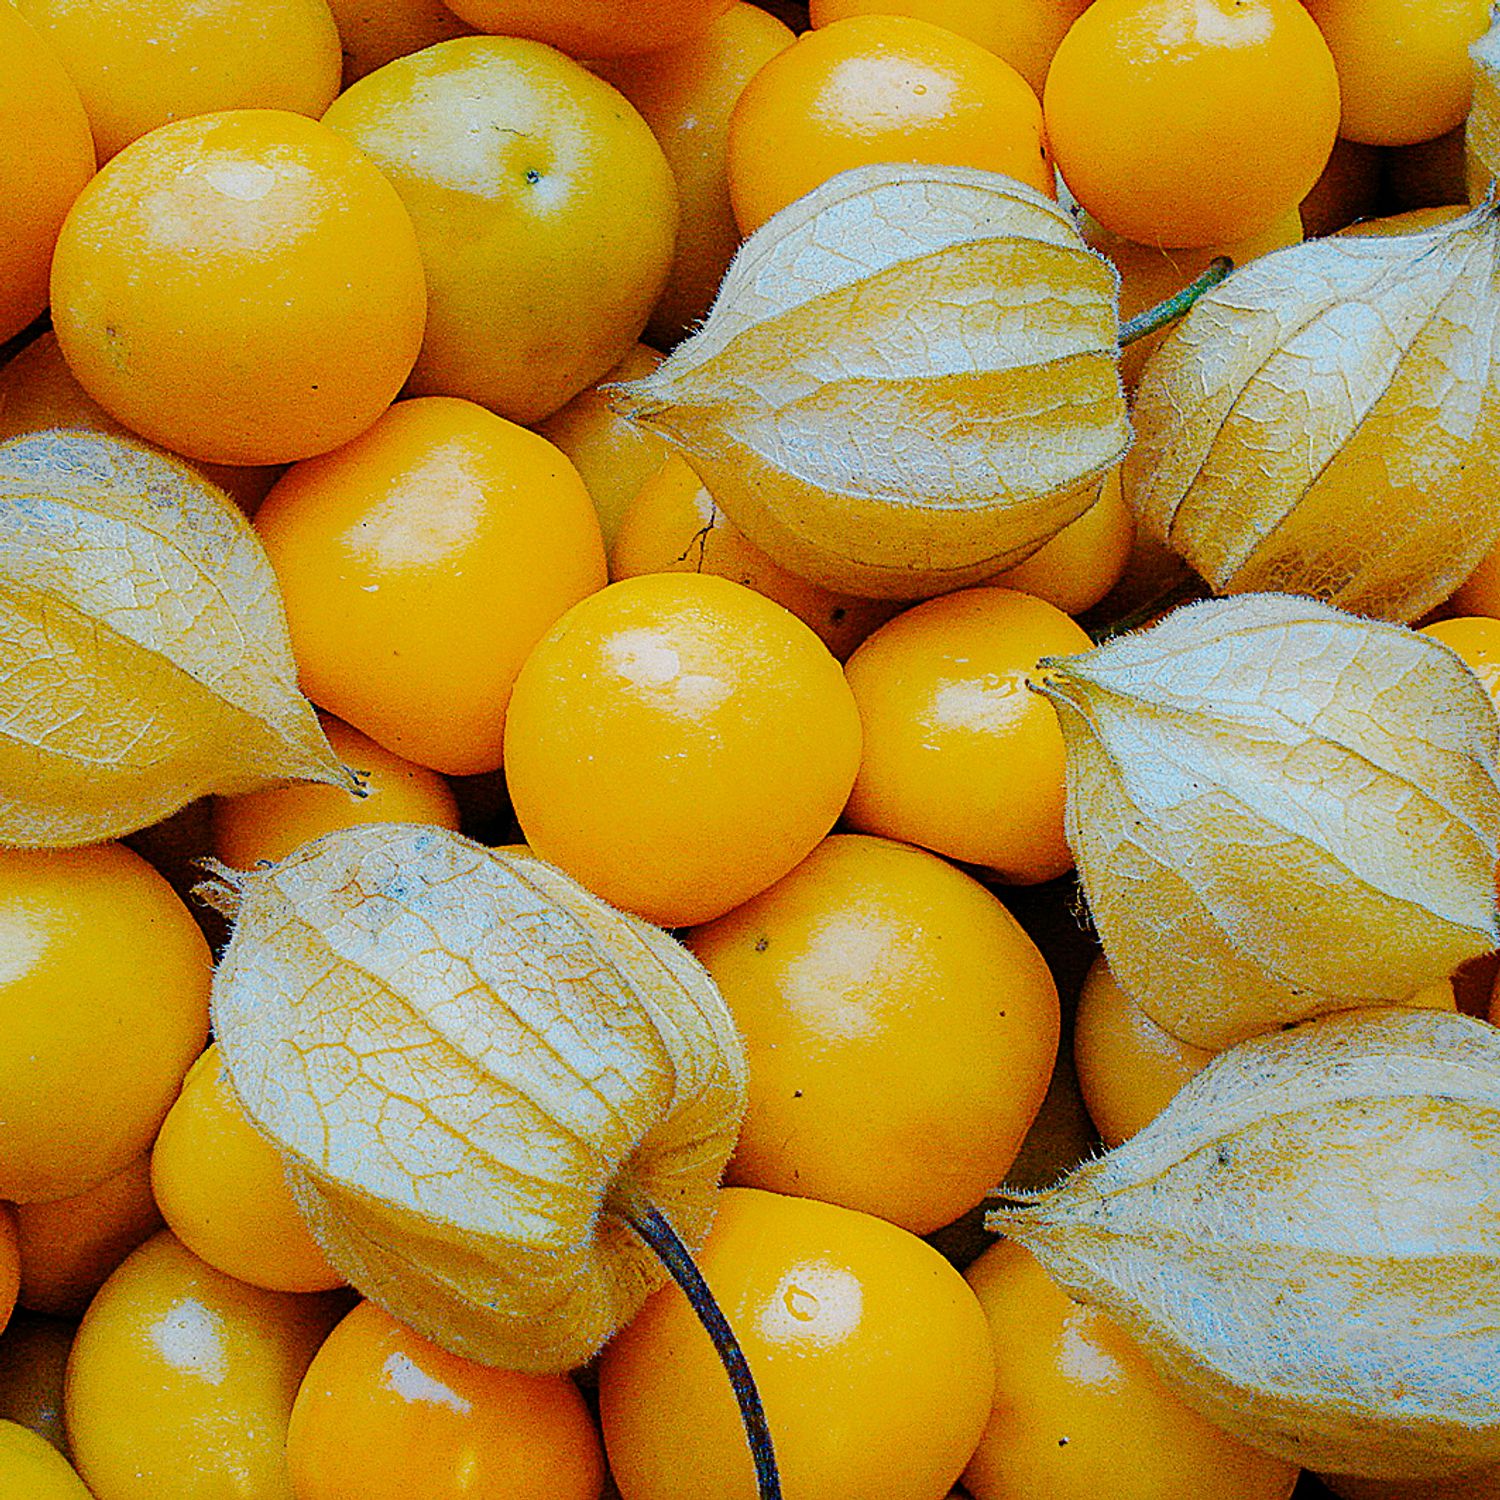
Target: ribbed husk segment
144, 655
461, 1054
1278, 809
1327, 421
1306, 1242
909, 381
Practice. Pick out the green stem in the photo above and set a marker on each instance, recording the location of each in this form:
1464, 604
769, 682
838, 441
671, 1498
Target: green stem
1176, 305
650, 1223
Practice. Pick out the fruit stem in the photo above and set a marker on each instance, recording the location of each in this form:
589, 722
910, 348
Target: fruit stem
1177, 304
651, 1224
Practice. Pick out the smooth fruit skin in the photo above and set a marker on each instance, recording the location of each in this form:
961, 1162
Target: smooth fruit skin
1403, 65
545, 210
70, 1246
900, 1027
594, 28
222, 1189
32, 1469
1085, 560
1078, 1413
385, 1415
615, 457
103, 1006
677, 742
1025, 33
686, 93
1476, 639
243, 288
1129, 1069
38, 391
673, 525
877, 89
140, 63
871, 1356
1191, 122
375, 32
10, 1263
46, 158
269, 825
181, 1380
419, 564
960, 755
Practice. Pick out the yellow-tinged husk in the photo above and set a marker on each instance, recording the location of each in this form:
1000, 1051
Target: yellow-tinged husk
464, 1056
909, 381
1306, 1242
1277, 810
1327, 421
144, 655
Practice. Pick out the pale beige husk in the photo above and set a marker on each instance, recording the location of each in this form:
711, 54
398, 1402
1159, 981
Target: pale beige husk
1277, 810
465, 1059
909, 381
1306, 1242
1327, 421
144, 655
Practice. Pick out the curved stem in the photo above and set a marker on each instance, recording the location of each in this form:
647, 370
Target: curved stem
650, 1223
1176, 305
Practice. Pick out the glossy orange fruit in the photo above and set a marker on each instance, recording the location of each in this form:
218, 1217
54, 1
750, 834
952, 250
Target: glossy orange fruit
594, 28
544, 208
375, 32
419, 564
1078, 1413
871, 1357
900, 1027
38, 391
46, 158
878, 89
31, 1467
960, 755
677, 742
686, 93
243, 287
222, 1189
103, 1004
269, 824
139, 63
1191, 122
70, 1246
1024, 32
181, 1380
385, 1415
1403, 65
673, 525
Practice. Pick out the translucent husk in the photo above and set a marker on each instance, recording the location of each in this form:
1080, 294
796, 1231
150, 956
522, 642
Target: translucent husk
1306, 1242
908, 383
473, 1069
144, 655
1277, 810
1327, 422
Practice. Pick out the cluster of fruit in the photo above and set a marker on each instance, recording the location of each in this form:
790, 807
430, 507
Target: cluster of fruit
777, 631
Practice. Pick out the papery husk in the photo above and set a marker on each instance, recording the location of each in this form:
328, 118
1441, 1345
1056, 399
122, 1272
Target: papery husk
908, 383
144, 654
1277, 810
464, 1057
1327, 422
1306, 1242
1482, 128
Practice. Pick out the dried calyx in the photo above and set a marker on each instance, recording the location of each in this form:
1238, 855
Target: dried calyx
487, 1085
1277, 810
1306, 1242
908, 383
145, 657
